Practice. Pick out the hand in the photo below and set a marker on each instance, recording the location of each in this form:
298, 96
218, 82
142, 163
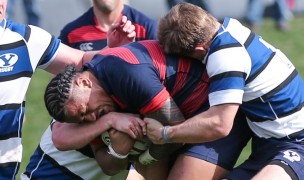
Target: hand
128, 123
121, 33
154, 130
121, 142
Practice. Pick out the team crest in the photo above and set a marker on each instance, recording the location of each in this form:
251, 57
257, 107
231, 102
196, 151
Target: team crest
7, 61
292, 156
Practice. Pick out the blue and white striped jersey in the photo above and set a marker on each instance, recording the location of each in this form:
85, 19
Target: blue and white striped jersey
47, 161
22, 49
246, 70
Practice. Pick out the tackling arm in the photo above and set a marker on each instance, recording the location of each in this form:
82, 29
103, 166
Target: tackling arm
82, 134
213, 124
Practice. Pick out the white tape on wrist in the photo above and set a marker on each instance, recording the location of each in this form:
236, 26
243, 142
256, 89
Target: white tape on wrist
165, 135
115, 154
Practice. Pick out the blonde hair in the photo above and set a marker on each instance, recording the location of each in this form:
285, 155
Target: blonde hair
185, 26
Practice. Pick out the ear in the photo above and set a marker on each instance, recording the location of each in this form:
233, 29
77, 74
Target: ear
84, 82
201, 49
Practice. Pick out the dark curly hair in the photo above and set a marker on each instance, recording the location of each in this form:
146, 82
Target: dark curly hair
57, 92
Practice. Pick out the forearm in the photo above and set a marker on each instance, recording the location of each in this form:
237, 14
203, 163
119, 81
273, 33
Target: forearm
78, 135
208, 126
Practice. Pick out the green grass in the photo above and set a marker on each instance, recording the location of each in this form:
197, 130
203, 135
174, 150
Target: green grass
37, 119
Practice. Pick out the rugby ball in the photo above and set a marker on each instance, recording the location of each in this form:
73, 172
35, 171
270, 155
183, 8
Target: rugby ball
139, 147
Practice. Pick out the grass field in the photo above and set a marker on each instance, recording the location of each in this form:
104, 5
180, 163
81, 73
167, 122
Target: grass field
37, 119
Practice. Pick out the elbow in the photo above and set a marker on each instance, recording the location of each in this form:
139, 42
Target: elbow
109, 172
59, 142
221, 130
108, 169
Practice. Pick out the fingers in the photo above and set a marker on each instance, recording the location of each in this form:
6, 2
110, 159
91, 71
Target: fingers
137, 128
143, 127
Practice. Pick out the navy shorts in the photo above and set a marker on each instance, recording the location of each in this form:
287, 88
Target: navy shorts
223, 152
289, 154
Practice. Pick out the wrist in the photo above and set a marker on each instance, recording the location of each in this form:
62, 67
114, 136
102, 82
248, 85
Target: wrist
106, 122
165, 134
112, 152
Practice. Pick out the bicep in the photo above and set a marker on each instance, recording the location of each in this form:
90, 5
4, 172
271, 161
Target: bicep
65, 55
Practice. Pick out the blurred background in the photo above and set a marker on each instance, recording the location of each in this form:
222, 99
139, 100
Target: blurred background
57, 13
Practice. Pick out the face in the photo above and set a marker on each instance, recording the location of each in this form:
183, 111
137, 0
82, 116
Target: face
88, 104
106, 6
3, 4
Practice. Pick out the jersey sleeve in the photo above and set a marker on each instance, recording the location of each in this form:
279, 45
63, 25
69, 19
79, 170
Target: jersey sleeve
228, 70
42, 47
135, 87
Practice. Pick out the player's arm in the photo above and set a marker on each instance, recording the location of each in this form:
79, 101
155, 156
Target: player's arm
82, 134
213, 124
118, 34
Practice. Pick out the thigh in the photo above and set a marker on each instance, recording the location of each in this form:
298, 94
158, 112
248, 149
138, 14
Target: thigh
226, 151
212, 159
273, 158
187, 167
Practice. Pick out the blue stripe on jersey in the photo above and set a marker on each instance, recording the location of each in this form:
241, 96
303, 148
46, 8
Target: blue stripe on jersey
48, 168
223, 80
273, 104
52, 48
22, 29
11, 123
259, 58
7, 169
226, 41
16, 61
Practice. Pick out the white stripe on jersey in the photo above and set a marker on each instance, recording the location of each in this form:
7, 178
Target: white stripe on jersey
217, 61
275, 73
11, 150
231, 95
76, 162
17, 88
240, 34
45, 65
279, 128
37, 44
10, 36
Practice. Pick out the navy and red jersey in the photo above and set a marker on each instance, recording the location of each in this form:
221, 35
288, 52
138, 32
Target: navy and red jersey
85, 34
140, 77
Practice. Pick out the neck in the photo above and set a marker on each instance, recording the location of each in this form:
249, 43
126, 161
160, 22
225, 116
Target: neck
105, 20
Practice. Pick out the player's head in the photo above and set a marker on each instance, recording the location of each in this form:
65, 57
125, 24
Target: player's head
185, 27
75, 96
3, 4
107, 6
